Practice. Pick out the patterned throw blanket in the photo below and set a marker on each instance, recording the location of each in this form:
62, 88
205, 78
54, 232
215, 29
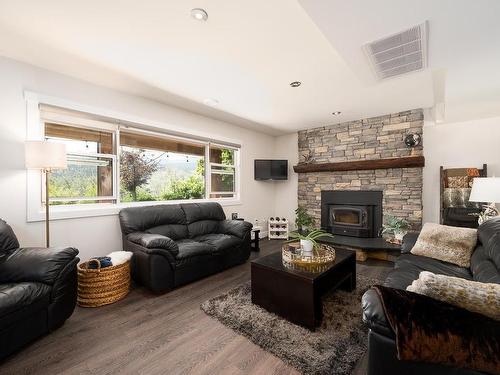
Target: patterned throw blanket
428, 330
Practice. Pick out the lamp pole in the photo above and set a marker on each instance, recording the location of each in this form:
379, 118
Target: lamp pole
47, 231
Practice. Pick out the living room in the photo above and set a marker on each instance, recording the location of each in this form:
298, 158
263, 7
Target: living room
165, 167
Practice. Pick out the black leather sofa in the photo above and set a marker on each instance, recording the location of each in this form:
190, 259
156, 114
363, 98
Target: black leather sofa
38, 289
485, 267
179, 243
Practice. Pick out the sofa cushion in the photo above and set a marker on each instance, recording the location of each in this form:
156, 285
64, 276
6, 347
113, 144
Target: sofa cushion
173, 231
17, 296
199, 228
488, 229
489, 235
221, 242
483, 298
154, 243
203, 211
238, 228
408, 267
432, 265
409, 240
483, 267
450, 244
189, 248
140, 219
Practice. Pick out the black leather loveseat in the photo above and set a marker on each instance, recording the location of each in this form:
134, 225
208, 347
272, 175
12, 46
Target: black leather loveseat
179, 243
485, 267
38, 288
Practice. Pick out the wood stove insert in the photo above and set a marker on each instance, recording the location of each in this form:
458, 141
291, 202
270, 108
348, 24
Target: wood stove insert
352, 213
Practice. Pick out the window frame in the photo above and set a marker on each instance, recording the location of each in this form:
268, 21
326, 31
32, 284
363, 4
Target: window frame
98, 197
107, 129
235, 166
36, 131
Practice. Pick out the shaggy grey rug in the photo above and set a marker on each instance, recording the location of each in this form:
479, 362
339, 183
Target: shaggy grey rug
334, 348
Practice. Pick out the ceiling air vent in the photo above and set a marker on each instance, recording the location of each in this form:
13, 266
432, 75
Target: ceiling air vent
400, 53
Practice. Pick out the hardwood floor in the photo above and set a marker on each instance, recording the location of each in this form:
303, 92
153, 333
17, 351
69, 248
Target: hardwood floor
159, 334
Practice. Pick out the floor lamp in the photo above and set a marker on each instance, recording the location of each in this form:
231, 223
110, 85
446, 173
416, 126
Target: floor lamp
46, 157
486, 189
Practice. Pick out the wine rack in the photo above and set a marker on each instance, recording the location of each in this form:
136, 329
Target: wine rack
277, 228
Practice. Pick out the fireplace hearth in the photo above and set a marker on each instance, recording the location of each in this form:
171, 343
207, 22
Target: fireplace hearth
352, 213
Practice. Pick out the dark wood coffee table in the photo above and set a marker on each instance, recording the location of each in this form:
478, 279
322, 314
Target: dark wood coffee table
296, 295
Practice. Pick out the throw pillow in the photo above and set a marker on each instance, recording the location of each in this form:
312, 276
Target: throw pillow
453, 197
483, 298
458, 182
450, 244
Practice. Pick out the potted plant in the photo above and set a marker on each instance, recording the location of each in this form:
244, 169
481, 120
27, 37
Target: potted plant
396, 226
303, 220
308, 242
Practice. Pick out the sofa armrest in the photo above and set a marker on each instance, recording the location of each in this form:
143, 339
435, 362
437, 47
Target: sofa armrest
374, 314
238, 228
409, 241
154, 243
36, 264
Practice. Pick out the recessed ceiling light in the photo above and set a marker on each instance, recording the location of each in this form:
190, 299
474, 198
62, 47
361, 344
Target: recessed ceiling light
211, 102
295, 84
336, 113
199, 14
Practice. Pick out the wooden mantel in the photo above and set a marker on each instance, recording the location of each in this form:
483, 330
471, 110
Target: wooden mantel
357, 165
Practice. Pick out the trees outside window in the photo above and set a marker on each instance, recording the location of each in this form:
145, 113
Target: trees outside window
135, 170
159, 168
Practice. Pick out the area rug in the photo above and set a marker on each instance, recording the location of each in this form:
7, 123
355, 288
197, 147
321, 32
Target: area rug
334, 348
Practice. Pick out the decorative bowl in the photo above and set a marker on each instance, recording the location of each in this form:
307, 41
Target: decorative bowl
320, 260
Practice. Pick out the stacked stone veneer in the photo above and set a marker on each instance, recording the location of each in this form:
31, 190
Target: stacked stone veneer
372, 138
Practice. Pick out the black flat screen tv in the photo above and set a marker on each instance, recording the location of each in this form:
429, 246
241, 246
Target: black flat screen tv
270, 169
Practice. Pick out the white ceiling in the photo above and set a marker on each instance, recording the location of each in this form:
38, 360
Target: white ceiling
248, 52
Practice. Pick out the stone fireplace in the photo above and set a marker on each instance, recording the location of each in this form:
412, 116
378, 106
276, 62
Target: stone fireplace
363, 140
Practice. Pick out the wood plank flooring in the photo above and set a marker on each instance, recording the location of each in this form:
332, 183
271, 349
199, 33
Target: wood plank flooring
159, 334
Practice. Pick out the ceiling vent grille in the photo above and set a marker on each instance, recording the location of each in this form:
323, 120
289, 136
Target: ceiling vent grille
400, 53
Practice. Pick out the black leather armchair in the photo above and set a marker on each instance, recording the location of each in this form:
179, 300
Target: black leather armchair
179, 243
38, 289
382, 352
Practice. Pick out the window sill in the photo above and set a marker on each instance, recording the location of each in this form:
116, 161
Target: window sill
88, 210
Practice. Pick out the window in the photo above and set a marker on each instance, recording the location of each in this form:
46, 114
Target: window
108, 163
154, 168
89, 177
222, 172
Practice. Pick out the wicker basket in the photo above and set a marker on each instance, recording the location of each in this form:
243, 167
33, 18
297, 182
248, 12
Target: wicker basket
102, 286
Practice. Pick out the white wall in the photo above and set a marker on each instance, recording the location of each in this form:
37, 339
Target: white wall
285, 194
459, 144
101, 235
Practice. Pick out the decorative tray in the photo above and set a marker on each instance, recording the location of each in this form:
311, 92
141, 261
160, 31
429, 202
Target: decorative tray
320, 259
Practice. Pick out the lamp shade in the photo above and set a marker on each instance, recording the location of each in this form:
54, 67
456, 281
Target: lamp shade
45, 155
485, 189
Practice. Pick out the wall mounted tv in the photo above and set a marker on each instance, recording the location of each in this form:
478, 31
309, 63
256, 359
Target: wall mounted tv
271, 169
